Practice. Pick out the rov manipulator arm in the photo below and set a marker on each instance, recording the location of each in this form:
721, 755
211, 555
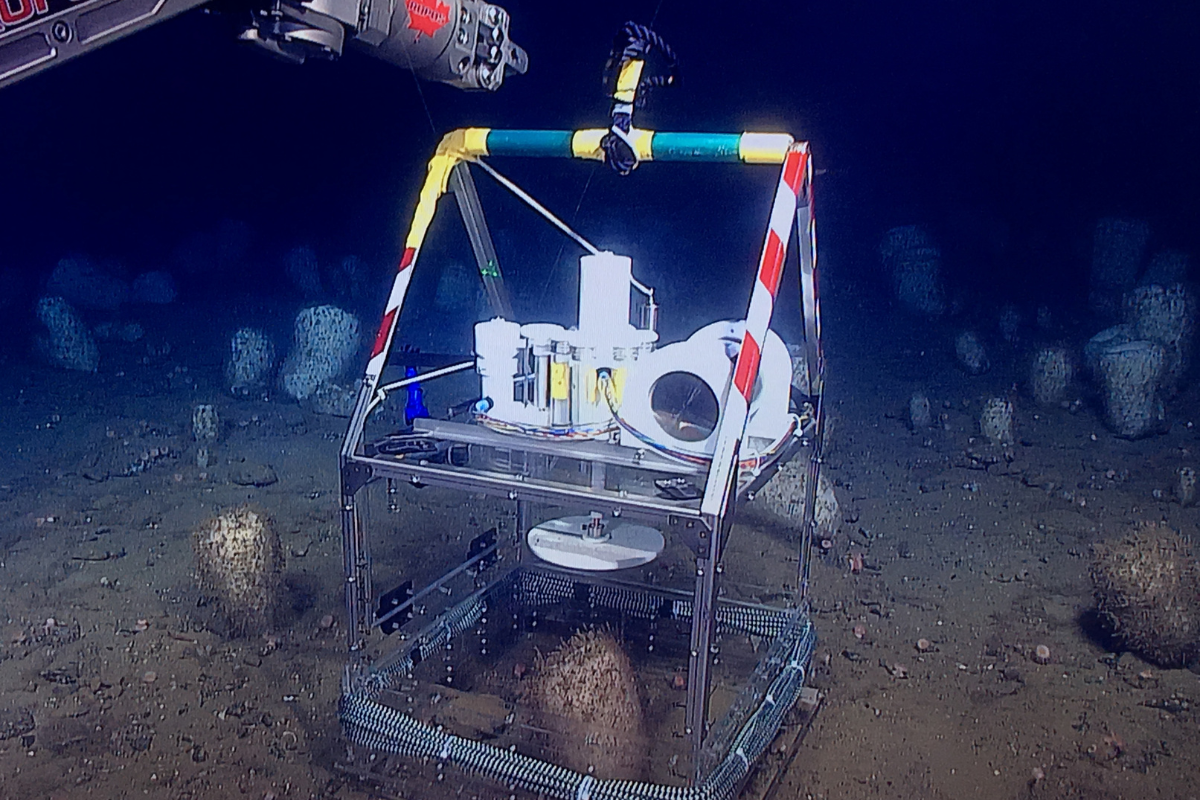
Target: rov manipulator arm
460, 42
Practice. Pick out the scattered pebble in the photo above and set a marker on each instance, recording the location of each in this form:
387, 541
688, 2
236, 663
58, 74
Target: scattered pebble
860, 631
1112, 745
326, 622
1041, 654
149, 676
141, 625
924, 646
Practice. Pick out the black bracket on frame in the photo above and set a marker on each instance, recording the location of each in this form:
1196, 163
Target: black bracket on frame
389, 601
355, 476
480, 544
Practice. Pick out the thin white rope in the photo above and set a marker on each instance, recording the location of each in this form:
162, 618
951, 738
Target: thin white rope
538, 207
382, 392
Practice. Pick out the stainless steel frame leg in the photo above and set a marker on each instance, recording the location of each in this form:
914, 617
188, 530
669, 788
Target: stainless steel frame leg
356, 566
702, 638
521, 524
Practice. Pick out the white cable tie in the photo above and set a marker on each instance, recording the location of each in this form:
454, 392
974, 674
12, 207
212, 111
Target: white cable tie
741, 753
444, 753
584, 792
627, 139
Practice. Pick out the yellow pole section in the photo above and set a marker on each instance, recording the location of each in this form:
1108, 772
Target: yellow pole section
464, 144
628, 80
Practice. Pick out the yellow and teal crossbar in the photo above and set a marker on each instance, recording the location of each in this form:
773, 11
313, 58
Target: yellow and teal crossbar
746, 148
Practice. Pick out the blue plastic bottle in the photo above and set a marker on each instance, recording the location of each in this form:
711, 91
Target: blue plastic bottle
416, 398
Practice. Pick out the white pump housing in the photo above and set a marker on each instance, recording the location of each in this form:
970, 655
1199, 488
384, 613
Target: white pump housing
544, 376
544, 379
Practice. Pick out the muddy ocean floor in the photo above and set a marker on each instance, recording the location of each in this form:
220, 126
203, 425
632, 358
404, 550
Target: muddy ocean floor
117, 681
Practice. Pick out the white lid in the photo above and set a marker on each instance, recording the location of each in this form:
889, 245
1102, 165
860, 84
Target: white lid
625, 544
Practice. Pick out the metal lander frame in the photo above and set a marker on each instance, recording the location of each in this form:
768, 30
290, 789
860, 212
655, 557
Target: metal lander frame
693, 501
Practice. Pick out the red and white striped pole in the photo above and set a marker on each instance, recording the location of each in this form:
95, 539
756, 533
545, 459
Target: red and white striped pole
387, 326
451, 151
796, 169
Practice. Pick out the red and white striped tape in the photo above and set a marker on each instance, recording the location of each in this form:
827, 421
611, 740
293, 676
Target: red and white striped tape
387, 326
758, 320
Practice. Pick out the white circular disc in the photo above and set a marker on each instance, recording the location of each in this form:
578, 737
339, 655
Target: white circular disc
626, 544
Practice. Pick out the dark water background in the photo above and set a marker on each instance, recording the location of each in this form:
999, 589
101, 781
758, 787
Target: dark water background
1007, 128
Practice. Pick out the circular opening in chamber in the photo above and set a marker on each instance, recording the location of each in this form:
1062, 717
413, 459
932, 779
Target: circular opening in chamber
684, 406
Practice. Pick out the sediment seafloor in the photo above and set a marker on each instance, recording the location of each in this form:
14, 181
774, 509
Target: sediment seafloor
116, 681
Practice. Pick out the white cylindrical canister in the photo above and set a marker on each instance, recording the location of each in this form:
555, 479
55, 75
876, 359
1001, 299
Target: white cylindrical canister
497, 343
604, 281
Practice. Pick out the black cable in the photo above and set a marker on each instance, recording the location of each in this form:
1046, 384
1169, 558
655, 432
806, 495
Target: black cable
634, 42
639, 42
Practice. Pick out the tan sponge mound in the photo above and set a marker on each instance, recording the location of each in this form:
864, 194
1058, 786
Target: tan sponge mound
1147, 587
590, 688
239, 563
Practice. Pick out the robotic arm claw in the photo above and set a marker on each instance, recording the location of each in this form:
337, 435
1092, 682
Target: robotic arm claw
460, 42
